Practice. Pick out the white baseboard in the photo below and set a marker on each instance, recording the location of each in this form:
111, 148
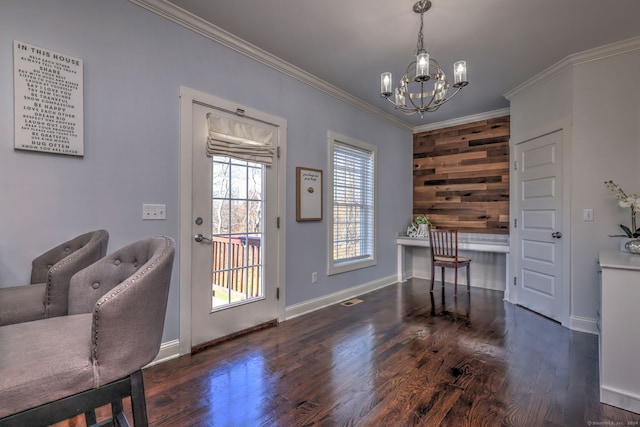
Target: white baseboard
327, 300
168, 350
584, 324
419, 273
620, 399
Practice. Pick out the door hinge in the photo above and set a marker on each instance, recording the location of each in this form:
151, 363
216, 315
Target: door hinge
515, 165
277, 222
277, 293
515, 281
515, 222
278, 152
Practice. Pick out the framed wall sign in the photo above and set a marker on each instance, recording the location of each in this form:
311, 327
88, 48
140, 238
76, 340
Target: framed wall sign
48, 100
308, 194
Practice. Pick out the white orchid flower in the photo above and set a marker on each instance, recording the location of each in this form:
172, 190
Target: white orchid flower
627, 202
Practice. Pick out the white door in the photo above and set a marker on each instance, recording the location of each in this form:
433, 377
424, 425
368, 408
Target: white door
234, 249
539, 192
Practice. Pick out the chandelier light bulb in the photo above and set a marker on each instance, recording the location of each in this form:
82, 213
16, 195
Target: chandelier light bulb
400, 98
385, 84
460, 73
422, 67
440, 90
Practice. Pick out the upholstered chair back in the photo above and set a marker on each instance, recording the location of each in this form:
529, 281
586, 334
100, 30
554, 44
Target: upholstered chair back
48, 293
41, 265
56, 266
127, 293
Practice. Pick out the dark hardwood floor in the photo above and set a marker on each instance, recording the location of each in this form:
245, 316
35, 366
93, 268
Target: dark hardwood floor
399, 358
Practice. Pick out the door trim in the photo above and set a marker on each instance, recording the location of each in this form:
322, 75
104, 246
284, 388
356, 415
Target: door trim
563, 125
187, 98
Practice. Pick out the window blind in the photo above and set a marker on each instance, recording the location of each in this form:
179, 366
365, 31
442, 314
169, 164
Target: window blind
353, 203
243, 141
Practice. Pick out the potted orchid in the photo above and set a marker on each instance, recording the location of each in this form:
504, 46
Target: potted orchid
631, 201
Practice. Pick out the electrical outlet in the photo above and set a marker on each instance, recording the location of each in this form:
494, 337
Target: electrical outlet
314, 277
154, 211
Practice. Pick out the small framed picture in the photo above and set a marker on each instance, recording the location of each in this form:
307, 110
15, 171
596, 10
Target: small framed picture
308, 194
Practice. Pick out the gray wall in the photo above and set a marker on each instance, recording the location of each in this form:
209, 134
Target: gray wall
134, 64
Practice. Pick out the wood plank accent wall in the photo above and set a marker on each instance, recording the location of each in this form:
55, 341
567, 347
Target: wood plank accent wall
461, 176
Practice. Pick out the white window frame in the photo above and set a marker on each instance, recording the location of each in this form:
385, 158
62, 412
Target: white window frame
338, 266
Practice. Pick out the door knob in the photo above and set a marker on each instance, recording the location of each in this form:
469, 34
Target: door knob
199, 238
556, 235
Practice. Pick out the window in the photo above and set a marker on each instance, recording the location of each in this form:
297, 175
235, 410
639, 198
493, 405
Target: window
352, 199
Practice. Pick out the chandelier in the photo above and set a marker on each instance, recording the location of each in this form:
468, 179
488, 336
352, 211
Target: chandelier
415, 93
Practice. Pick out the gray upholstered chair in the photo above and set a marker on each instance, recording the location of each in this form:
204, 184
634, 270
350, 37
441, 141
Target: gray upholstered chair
46, 296
54, 369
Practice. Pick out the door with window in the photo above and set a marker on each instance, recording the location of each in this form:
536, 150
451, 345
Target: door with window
234, 266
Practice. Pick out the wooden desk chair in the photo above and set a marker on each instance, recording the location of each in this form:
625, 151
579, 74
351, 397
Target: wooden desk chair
444, 253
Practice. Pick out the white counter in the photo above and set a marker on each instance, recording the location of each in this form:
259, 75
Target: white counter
496, 243
619, 332
619, 259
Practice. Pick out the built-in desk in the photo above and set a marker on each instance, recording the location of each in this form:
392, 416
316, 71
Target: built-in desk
497, 243
619, 332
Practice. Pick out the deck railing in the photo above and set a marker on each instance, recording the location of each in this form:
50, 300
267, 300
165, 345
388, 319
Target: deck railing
237, 264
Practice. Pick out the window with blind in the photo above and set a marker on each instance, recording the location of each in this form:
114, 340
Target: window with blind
352, 189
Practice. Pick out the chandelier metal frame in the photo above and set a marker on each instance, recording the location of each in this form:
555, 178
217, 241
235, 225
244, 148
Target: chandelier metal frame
418, 73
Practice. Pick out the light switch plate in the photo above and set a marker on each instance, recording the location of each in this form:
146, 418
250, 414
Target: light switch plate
150, 211
587, 215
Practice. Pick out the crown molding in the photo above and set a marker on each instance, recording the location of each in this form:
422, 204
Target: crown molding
571, 61
463, 120
194, 23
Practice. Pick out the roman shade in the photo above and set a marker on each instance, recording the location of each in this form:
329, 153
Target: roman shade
243, 141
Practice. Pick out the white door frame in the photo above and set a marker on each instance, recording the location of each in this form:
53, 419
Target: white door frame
563, 125
187, 98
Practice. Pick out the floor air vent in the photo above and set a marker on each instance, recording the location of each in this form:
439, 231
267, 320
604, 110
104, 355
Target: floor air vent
351, 302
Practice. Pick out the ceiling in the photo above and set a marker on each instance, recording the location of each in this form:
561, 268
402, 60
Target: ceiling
348, 43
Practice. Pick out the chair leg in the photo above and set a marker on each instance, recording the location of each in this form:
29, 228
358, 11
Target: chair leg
455, 283
117, 412
90, 418
433, 303
468, 278
138, 402
433, 274
442, 277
